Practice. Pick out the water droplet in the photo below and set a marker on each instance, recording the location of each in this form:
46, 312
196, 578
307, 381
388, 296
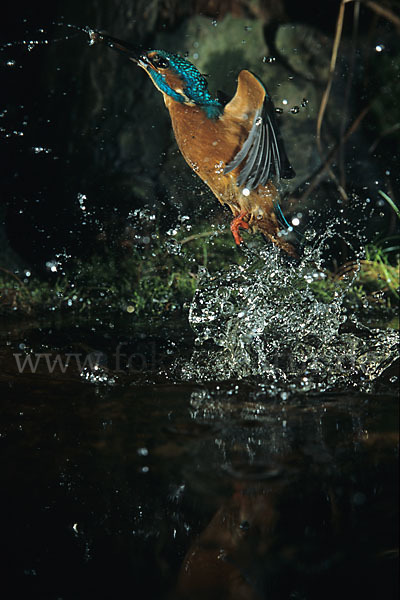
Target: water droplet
40, 149
310, 234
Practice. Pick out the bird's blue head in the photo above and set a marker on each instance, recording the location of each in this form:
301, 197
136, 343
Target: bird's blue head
170, 73
179, 79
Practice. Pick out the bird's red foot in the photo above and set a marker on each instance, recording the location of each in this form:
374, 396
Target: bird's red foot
236, 223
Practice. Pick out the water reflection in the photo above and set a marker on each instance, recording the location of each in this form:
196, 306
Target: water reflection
188, 491
305, 481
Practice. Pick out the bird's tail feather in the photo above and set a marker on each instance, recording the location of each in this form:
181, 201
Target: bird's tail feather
271, 231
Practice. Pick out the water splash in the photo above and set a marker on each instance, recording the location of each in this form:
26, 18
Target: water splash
263, 319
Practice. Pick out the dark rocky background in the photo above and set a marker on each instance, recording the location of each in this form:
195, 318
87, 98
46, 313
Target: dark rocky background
82, 120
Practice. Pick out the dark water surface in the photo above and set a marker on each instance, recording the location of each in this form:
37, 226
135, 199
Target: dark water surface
117, 485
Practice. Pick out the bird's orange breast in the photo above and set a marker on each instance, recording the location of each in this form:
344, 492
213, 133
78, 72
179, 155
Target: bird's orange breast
207, 144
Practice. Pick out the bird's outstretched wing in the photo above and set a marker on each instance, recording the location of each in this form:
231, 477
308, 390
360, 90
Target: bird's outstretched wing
262, 155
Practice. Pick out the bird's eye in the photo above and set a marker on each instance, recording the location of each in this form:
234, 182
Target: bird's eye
159, 61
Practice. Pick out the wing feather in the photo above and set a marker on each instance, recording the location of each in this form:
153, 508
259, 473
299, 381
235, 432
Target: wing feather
262, 155
249, 167
259, 158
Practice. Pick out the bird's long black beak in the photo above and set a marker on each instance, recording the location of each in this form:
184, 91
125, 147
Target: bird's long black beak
134, 53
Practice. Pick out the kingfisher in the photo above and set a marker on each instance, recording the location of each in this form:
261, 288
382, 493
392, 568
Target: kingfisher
234, 146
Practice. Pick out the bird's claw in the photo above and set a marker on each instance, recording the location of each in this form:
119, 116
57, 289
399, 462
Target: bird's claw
236, 224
